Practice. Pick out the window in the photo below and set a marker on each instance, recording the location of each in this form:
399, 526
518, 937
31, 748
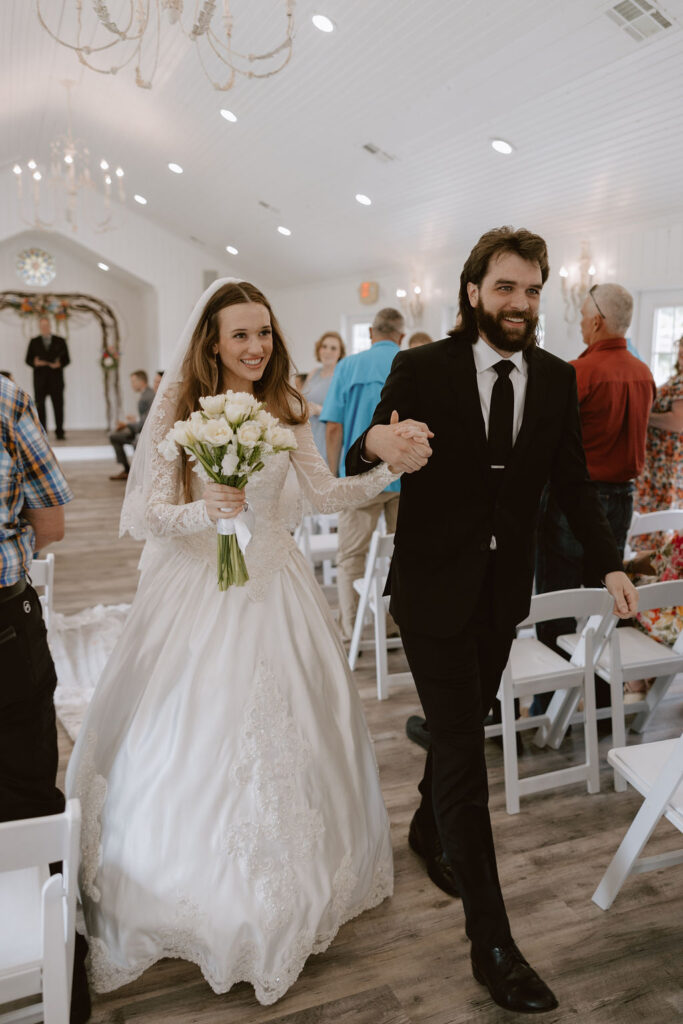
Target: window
360, 335
667, 329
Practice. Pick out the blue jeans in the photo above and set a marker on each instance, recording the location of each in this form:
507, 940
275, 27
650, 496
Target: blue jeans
559, 560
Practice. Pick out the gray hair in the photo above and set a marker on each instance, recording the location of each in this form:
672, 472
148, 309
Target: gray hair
616, 306
388, 321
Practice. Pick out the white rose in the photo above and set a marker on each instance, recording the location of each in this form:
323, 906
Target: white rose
168, 448
216, 432
281, 437
213, 405
183, 433
249, 434
229, 464
196, 422
265, 419
201, 472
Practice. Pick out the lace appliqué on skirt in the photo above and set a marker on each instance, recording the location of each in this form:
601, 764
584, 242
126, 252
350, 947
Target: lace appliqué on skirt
91, 790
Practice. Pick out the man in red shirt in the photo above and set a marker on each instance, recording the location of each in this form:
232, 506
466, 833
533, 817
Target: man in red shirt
616, 391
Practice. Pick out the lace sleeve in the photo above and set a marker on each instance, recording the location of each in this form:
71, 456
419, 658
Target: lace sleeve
165, 514
327, 492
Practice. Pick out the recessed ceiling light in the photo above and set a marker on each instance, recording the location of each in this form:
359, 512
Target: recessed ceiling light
401, 293
232, 250
501, 146
323, 23
176, 168
228, 115
140, 199
284, 231
103, 266
363, 200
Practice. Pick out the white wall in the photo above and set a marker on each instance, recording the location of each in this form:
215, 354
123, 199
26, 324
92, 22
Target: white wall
645, 258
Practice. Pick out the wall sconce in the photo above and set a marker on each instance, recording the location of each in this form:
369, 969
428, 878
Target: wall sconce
576, 282
411, 304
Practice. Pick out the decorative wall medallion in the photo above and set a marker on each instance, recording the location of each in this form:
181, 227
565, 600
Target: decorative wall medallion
35, 266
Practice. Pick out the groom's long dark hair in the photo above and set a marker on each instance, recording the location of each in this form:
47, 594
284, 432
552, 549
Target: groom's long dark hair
499, 240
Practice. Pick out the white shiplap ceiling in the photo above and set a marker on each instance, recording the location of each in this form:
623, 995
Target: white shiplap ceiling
596, 119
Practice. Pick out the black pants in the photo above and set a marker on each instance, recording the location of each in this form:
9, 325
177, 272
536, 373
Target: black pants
118, 438
28, 729
457, 678
54, 389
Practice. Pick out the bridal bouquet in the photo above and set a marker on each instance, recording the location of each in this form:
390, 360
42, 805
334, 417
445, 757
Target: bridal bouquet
228, 441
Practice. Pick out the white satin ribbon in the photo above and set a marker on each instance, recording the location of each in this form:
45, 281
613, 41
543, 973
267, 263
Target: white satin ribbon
241, 525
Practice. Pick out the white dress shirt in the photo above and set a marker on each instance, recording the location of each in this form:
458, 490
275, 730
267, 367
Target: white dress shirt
485, 358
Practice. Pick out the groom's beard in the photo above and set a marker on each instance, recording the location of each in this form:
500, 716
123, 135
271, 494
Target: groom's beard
506, 338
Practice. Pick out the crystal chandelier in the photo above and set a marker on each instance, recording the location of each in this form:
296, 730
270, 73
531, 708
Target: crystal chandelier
61, 190
134, 34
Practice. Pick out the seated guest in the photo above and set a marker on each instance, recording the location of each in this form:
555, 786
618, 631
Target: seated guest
127, 431
329, 349
418, 339
660, 485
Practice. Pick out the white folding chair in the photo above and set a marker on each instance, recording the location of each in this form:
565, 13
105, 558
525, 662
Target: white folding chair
656, 771
534, 668
371, 600
319, 544
38, 915
42, 574
629, 654
665, 521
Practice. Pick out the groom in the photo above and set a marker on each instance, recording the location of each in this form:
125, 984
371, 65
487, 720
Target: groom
505, 420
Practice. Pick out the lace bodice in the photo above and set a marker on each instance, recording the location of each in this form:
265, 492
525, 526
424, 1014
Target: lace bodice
187, 524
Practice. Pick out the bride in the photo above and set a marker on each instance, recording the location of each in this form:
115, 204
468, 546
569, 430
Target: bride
232, 814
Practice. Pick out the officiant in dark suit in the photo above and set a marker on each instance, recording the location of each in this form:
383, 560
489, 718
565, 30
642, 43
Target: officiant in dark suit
505, 420
48, 355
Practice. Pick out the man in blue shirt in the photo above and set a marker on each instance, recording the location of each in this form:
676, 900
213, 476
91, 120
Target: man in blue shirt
348, 410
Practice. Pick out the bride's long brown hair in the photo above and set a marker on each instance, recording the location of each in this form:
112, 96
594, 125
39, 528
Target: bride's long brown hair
203, 370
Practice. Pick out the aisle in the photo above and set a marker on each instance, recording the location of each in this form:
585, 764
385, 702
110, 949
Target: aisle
407, 961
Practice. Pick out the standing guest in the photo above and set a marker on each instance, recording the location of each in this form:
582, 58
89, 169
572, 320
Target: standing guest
48, 354
616, 391
33, 493
419, 339
505, 419
329, 349
660, 485
157, 380
354, 392
128, 430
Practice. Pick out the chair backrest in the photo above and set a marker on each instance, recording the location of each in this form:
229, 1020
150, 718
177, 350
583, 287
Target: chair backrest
666, 594
42, 574
379, 554
582, 602
654, 522
37, 842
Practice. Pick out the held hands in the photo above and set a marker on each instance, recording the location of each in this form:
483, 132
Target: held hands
223, 502
624, 593
403, 445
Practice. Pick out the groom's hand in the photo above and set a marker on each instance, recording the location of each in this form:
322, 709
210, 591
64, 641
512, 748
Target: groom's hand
403, 445
624, 593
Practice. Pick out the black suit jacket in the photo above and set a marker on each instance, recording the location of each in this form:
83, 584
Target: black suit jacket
449, 510
57, 349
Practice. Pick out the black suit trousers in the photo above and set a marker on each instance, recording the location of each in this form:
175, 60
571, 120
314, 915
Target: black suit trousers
457, 678
52, 387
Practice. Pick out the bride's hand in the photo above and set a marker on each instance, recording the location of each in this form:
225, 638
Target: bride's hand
223, 502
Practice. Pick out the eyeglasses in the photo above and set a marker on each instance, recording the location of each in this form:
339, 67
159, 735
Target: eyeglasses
590, 292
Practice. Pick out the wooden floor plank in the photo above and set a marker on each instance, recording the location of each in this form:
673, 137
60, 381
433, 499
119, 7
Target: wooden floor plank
410, 955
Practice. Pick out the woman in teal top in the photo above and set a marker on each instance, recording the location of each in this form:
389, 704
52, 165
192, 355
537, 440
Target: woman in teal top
329, 349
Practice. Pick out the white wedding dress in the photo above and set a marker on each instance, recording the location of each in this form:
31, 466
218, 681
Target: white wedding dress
232, 813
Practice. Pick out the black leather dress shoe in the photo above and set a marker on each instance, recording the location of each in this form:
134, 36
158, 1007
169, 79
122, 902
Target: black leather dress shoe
417, 731
513, 984
438, 868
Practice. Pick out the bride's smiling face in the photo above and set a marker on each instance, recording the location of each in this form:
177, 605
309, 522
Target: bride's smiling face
245, 344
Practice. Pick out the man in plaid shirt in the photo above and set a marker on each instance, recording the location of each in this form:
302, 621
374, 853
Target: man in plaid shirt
33, 493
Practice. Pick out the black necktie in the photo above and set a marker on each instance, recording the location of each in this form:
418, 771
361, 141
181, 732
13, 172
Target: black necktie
500, 418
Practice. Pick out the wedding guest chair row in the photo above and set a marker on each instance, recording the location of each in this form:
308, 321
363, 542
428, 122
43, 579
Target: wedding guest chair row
38, 915
318, 542
664, 521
